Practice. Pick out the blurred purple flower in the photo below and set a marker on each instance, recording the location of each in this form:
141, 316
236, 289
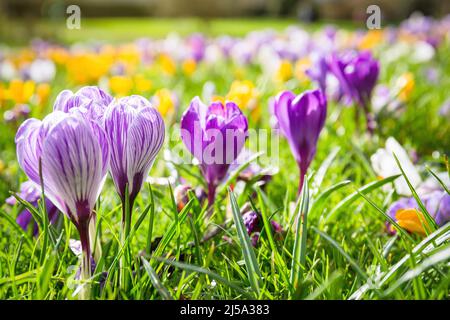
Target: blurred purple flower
318, 71
444, 110
31, 193
301, 119
215, 135
357, 73
135, 131
197, 45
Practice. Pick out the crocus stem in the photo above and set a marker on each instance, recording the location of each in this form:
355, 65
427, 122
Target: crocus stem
370, 123
211, 194
300, 183
125, 279
96, 248
83, 230
302, 168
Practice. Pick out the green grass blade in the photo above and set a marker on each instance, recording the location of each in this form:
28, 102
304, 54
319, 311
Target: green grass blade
253, 272
156, 281
299, 251
355, 195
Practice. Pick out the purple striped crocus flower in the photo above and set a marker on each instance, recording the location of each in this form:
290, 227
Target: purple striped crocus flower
215, 135
31, 193
136, 132
73, 153
89, 101
301, 119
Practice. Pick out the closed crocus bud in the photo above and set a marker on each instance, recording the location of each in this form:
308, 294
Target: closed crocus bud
215, 135
357, 73
89, 101
74, 156
135, 131
301, 119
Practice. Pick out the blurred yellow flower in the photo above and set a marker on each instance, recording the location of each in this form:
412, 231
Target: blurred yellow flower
163, 100
58, 55
284, 71
301, 65
43, 92
218, 99
129, 56
246, 96
167, 64
142, 84
406, 84
189, 67
87, 68
120, 85
20, 91
412, 220
371, 39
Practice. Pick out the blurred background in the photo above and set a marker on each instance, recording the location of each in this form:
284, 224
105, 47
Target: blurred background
21, 20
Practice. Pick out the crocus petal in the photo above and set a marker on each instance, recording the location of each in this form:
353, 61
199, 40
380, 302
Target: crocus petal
135, 132
301, 120
73, 166
215, 135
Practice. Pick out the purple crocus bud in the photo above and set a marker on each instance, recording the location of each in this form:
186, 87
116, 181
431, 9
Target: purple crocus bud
74, 156
251, 221
215, 135
31, 193
301, 119
89, 101
135, 131
357, 73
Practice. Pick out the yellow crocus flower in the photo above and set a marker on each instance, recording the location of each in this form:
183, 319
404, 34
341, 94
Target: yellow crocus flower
371, 39
243, 93
167, 64
120, 85
43, 92
301, 65
189, 67
284, 71
164, 102
412, 220
20, 91
142, 84
406, 85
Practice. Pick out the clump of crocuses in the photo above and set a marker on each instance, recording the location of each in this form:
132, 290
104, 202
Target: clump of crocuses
69, 155
301, 119
215, 135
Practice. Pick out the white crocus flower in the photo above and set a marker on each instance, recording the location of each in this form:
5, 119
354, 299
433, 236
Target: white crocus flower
7, 71
42, 70
384, 165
